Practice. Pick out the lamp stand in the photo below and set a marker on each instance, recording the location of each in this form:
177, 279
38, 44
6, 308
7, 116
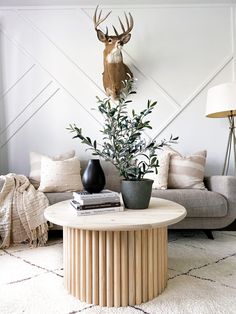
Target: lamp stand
231, 140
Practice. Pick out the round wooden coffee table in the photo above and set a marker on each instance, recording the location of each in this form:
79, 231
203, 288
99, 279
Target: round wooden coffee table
116, 259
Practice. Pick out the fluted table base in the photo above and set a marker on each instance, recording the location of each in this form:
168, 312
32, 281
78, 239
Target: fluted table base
115, 268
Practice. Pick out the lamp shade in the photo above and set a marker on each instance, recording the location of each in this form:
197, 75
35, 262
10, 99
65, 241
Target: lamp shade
221, 101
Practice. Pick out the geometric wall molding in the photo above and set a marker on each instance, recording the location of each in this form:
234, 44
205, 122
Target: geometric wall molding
197, 92
176, 52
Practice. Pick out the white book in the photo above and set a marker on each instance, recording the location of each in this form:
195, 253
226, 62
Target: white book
98, 201
96, 198
85, 195
98, 211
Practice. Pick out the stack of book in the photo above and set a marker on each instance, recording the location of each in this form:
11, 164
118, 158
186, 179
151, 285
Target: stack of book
96, 203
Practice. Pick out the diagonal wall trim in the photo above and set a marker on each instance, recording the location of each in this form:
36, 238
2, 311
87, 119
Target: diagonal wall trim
171, 99
3, 94
196, 93
20, 47
24, 109
29, 21
30, 117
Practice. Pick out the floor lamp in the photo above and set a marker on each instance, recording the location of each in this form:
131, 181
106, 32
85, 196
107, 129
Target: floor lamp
221, 103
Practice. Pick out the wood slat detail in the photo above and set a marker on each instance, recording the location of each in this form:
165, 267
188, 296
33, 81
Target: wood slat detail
65, 256
83, 265
165, 255
150, 264
124, 268
95, 268
131, 261
117, 273
159, 257
102, 268
88, 271
118, 268
144, 266
77, 263
109, 269
155, 263
72, 264
138, 266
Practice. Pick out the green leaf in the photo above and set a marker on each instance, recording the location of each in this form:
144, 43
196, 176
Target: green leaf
123, 139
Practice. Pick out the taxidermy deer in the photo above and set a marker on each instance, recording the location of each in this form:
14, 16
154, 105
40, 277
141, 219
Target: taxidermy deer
115, 71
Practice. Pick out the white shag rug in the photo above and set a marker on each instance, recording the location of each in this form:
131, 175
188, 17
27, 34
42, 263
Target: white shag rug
202, 279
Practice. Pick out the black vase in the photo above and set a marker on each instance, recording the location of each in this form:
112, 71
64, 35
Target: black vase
93, 178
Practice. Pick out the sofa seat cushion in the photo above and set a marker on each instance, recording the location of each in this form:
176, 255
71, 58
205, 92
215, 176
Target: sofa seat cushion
198, 203
54, 197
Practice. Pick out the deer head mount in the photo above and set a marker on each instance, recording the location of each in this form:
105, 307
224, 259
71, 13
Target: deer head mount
115, 71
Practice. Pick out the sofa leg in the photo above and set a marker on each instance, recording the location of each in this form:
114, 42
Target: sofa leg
209, 234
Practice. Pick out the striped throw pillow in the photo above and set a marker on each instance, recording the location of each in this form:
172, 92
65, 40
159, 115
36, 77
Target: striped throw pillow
187, 172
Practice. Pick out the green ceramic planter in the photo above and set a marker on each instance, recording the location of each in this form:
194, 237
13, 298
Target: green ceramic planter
136, 194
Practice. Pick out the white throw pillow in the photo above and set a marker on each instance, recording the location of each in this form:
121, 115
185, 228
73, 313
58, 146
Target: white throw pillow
60, 175
161, 178
35, 165
187, 172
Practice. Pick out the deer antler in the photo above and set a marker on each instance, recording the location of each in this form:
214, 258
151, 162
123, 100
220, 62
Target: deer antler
130, 25
98, 20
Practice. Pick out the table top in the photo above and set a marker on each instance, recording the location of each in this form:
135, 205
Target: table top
160, 213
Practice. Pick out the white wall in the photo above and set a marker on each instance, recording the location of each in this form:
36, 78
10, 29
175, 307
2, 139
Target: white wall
51, 65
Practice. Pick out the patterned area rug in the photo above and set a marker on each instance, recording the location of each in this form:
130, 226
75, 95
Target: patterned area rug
202, 279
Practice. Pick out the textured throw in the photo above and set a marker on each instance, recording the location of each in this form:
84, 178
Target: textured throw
21, 212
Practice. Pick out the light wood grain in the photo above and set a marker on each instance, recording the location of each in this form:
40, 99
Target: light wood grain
160, 213
165, 256
131, 261
102, 268
72, 264
65, 255
138, 266
95, 269
155, 263
150, 264
144, 266
117, 273
83, 265
88, 266
115, 268
124, 269
77, 263
109, 269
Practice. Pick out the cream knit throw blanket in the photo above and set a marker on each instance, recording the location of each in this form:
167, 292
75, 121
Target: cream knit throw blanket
22, 212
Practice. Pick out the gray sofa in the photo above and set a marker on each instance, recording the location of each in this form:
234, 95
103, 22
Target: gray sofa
210, 209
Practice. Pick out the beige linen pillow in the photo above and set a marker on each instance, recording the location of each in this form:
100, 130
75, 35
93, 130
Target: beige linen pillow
161, 178
60, 175
35, 165
187, 172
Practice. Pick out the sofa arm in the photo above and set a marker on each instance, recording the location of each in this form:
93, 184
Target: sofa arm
225, 185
